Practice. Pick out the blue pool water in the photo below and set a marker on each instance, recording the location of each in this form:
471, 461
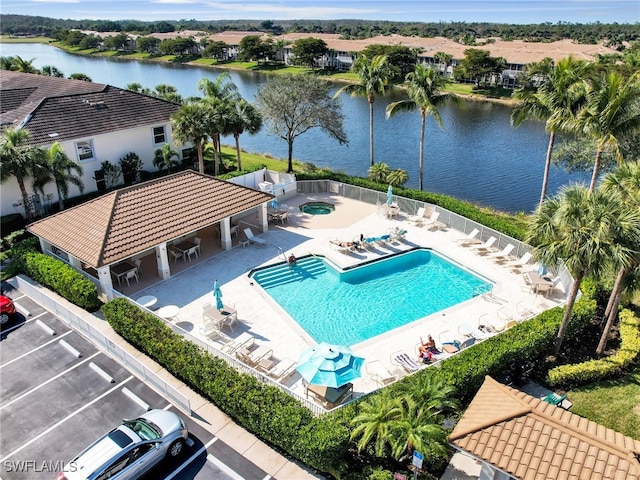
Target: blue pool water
348, 307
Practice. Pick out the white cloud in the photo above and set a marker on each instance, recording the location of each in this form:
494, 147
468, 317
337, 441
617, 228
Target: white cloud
174, 2
288, 11
56, 1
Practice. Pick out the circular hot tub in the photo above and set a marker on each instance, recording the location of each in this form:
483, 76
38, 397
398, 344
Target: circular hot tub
317, 208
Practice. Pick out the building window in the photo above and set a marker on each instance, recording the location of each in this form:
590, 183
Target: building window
158, 135
85, 150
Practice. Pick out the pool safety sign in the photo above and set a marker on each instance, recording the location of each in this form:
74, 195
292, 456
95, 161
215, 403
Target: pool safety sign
417, 459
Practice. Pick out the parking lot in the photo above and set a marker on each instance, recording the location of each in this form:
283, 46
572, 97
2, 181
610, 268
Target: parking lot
58, 393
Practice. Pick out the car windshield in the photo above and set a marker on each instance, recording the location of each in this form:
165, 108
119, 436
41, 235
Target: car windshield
144, 429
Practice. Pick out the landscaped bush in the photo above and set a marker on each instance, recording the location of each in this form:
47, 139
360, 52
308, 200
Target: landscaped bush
569, 376
62, 279
509, 225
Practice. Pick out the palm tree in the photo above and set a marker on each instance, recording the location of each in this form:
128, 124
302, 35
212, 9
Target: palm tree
164, 158
224, 90
51, 71
612, 109
191, 124
24, 66
556, 100
21, 160
378, 172
424, 87
63, 171
583, 229
374, 74
167, 92
624, 183
246, 118
406, 420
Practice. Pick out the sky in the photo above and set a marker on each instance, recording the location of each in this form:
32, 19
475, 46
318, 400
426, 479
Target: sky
501, 11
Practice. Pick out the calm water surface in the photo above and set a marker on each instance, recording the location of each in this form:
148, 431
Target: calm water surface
477, 156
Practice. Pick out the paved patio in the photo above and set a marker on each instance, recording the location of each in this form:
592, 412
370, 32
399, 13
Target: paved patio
305, 234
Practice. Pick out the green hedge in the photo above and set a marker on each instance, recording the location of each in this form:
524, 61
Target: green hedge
262, 409
514, 226
593, 370
62, 279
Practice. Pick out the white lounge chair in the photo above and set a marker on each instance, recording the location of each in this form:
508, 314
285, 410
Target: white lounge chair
517, 265
252, 238
502, 255
244, 340
433, 222
486, 247
282, 370
469, 239
406, 362
419, 217
343, 247
379, 373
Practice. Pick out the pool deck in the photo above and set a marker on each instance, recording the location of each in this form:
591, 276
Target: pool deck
307, 234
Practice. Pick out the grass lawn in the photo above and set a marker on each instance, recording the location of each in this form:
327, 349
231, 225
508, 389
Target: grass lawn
613, 403
8, 39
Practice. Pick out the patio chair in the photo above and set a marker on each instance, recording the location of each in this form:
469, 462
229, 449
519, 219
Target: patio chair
419, 217
192, 251
406, 362
138, 263
175, 254
252, 238
197, 241
379, 373
517, 265
231, 321
131, 275
469, 239
547, 288
502, 255
433, 223
554, 399
245, 339
282, 370
486, 247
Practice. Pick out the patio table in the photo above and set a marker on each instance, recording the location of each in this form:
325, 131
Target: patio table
183, 247
120, 270
536, 280
333, 396
168, 312
220, 317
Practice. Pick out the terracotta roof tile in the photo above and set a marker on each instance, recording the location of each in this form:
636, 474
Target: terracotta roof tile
134, 219
542, 441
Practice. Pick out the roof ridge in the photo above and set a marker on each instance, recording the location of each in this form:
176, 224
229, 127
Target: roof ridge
508, 415
114, 202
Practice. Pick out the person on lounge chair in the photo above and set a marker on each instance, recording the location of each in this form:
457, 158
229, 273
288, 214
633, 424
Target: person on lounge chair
427, 349
343, 244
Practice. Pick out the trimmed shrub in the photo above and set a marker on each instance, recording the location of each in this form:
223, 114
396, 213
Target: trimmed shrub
62, 279
569, 376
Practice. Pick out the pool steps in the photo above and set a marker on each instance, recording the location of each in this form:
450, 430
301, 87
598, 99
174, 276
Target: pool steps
284, 274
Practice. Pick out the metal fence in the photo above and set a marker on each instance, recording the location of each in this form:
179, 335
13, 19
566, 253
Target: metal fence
410, 207
74, 316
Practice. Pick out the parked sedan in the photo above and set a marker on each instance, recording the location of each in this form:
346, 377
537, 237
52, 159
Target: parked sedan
130, 450
7, 309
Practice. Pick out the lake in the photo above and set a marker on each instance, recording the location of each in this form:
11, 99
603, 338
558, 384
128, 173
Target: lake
477, 156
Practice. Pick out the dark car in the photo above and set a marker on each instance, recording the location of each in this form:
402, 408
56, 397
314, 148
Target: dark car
7, 309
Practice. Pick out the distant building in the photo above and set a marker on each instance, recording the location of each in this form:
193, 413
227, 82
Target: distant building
93, 122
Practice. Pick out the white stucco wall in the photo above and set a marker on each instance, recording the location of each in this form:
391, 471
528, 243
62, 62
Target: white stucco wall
107, 147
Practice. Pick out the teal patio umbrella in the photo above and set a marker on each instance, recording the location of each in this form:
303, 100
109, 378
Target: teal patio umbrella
389, 195
329, 365
274, 203
218, 294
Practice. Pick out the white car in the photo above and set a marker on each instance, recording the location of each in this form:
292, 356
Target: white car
130, 450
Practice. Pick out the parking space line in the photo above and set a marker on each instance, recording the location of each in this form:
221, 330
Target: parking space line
222, 466
85, 406
28, 392
32, 319
267, 477
35, 349
191, 459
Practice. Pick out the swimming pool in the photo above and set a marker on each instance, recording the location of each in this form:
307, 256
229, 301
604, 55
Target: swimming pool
348, 307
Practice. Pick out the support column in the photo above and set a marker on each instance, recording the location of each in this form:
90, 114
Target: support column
225, 233
75, 262
44, 246
263, 219
162, 260
106, 286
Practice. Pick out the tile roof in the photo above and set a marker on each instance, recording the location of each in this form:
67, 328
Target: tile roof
531, 439
133, 219
95, 108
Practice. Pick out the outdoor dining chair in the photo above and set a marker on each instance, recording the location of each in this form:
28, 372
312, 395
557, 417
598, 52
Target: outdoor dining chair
131, 275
